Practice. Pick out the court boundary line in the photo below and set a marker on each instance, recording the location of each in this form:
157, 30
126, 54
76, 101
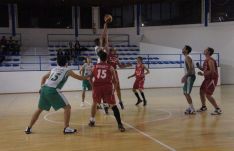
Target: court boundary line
144, 122
125, 123
143, 133
61, 123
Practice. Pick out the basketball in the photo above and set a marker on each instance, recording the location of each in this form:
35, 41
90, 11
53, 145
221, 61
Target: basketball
108, 18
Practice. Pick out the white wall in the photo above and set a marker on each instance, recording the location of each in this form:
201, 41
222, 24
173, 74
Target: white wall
148, 48
220, 36
17, 82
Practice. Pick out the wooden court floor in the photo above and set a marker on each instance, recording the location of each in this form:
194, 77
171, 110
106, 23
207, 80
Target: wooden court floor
161, 126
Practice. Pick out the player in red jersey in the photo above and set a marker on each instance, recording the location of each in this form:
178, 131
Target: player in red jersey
113, 60
210, 73
140, 79
103, 77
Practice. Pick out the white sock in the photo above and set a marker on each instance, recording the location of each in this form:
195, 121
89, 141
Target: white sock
191, 106
92, 119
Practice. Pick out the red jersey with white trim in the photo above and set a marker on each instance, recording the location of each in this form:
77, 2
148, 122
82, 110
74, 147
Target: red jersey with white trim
139, 71
113, 60
102, 74
207, 68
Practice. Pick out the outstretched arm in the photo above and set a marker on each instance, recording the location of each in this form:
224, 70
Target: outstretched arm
132, 76
121, 65
104, 40
76, 76
104, 36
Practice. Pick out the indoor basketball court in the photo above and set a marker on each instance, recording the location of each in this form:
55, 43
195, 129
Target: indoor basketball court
160, 126
172, 61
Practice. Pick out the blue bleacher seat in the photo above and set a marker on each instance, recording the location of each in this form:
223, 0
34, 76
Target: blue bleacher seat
7, 65
53, 64
159, 62
15, 65
16, 59
75, 64
153, 62
7, 59
53, 59
172, 62
179, 62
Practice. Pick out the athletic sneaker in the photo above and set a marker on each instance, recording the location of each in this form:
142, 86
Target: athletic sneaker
91, 123
217, 112
121, 128
106, 110
106, 107
121, 105
144, 102
189, 111
99, 107
202, 109
82, 104
69, 130
28, 130
138, 102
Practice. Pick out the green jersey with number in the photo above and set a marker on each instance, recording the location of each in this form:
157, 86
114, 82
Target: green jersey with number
58, 77
87, 69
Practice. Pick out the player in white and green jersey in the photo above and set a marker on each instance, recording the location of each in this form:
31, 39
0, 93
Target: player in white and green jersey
86, 70
188, 78
51, 96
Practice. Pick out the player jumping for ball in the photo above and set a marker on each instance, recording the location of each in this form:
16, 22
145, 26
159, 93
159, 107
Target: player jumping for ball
102, 43
140, 79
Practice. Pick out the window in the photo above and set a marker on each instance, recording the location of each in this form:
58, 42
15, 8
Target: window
86, 17
123, 16
222, 10
4, 17
171, 12
44, 15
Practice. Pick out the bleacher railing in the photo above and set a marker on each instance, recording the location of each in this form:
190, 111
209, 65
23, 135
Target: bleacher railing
152, 61
84, 39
